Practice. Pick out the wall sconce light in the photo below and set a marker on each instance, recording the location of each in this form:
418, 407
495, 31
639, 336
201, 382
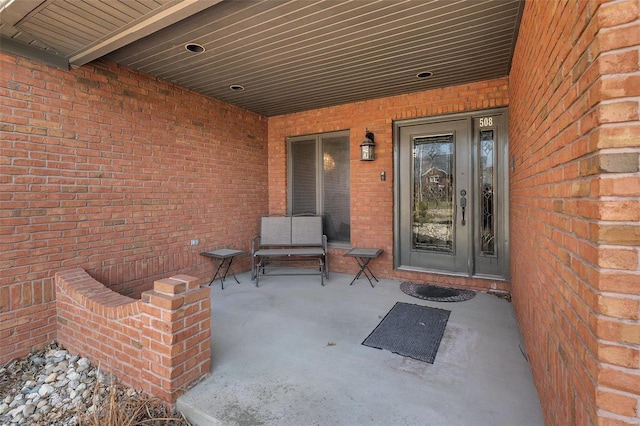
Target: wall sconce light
366, 147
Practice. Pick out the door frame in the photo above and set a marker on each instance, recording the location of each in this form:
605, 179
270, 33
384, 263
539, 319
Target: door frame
503, 178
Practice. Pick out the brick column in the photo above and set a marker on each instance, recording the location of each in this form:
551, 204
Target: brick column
176, 337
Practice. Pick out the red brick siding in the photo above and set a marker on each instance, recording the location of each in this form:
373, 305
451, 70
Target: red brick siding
112, 171
575, 91
371, 198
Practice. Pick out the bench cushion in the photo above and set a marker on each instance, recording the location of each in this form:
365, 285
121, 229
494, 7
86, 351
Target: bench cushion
306, 231
275, 231
291, 231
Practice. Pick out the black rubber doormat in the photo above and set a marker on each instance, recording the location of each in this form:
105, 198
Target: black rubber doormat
436, 293
410, 330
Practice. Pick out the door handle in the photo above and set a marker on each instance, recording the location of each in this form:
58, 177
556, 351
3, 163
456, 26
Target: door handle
463, 205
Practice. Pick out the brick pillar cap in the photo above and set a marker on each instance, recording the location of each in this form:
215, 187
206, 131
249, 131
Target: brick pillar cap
169, 286
192, 282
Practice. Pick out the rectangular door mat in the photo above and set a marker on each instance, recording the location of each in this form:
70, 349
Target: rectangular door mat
410, 330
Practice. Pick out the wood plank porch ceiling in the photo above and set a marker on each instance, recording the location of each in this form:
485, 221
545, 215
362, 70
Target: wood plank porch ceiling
289, 55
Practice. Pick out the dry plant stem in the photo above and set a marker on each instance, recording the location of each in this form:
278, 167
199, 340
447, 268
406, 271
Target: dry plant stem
120, 410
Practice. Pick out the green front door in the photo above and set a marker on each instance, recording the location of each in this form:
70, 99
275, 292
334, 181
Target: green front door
451, 194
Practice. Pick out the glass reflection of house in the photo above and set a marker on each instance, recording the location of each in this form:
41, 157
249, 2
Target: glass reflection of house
433, 164
436, 185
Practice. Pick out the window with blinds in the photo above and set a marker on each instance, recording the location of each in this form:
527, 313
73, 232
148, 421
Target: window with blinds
319, 181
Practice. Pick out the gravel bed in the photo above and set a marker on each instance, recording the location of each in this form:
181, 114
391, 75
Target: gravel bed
55, 387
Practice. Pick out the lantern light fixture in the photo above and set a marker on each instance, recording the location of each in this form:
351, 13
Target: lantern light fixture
366, 147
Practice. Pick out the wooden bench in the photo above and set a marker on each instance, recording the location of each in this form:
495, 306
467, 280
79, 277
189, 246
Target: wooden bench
289, 238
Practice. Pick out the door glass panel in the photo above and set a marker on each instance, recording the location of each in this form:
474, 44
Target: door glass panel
487, 185
433, 192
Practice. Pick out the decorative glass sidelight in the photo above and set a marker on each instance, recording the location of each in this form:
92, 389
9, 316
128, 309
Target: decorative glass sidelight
433, 192
486, 190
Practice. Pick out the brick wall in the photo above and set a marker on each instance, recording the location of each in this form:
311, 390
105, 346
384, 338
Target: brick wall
112, 171
371, 198
160, 344
575, 209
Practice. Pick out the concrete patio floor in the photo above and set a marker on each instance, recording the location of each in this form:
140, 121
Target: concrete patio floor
291, 353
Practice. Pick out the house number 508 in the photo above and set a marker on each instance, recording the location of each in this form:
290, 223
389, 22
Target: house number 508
486, 122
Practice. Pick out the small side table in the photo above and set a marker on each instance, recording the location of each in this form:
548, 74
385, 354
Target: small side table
226, 259
363, 257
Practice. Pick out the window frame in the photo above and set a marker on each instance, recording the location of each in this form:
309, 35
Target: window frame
319, 175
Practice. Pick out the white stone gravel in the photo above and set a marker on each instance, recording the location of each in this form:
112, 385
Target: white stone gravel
51, 387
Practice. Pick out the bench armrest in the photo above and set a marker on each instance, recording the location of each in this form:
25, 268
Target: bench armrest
326, 253
255, 245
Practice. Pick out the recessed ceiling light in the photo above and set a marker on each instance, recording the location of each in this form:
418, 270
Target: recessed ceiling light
236, 88
424, 74
194, 47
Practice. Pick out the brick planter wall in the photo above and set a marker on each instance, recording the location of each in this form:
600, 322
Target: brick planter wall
160, 344
575, 206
